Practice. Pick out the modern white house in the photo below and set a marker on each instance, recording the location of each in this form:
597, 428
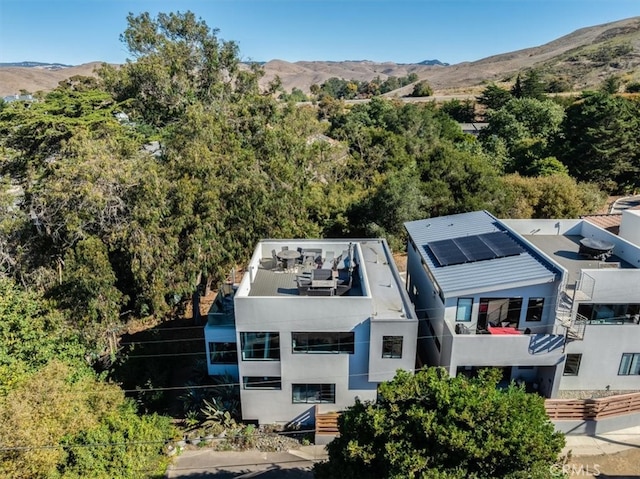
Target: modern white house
553, 303
600, 302
312, 324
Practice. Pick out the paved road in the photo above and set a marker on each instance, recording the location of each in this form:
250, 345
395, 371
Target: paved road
208, 464
615, 454
624, 204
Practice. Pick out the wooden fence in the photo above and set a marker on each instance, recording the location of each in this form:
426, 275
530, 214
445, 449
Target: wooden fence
327, 423
592, 409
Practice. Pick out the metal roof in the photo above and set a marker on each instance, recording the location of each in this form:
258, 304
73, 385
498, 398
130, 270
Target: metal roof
497, 273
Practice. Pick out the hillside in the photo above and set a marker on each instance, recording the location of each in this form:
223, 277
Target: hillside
33, 79
582, 59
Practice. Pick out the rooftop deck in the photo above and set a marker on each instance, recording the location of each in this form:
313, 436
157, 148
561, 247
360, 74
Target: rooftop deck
564, 250
278, 282
336, 269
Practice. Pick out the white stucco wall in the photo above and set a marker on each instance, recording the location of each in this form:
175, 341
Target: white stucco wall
299, 314
383, 369
630, 226
601, 350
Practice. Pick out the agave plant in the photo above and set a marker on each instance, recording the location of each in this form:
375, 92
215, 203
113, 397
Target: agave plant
227, 394
215, 416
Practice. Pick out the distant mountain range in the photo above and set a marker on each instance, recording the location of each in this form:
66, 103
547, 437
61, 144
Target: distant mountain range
433, 62
45, 66
581, 60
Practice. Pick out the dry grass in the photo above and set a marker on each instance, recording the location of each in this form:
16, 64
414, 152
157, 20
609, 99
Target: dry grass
465, 78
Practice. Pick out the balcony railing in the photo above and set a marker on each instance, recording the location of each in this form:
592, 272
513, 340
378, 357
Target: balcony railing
513, 349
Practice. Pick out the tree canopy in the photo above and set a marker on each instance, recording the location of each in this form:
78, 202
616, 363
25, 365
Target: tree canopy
122, 196
429, 425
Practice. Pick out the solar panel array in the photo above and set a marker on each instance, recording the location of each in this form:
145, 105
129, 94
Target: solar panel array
469, 249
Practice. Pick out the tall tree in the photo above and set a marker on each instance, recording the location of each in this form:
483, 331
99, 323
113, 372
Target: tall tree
62, 423
179, 60
528, 128
600, 141
429, 425
493, 97
461, 111
550, 196
533, 86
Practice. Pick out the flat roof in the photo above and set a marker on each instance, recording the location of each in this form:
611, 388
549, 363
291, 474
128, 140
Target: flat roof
490, 274
383, 287
564, 250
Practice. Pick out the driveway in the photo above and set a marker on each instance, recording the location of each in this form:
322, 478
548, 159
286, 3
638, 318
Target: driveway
210, 464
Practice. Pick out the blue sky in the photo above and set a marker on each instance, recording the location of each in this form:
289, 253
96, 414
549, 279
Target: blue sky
404, 31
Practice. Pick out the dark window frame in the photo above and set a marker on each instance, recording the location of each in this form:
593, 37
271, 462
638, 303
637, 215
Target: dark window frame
227, 355
392, 347
620, 313
572, 364
470, 310
634, 361
251, 346
534, 311
309, 342
262, 382
313, 393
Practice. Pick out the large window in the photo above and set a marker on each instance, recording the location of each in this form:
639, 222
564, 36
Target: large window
261, 382
534, 309
463, 313
572, 364
328, 342
498, 312
223, 353
314, 393
630, 364
260, 346
392, 347
608, 314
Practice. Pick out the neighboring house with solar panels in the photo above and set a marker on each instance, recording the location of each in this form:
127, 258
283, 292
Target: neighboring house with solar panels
312, 325
553, 303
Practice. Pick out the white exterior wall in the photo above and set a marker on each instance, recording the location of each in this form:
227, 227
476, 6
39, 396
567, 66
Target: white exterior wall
299, 314
543, 349
630, 226
354, 375
485, 350
613, 285
601, 350
384, 369
603, 345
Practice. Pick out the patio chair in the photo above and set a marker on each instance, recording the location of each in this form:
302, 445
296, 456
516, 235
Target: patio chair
328, 260
277, 263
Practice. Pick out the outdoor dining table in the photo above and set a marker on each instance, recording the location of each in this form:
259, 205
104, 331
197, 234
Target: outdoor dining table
288, 254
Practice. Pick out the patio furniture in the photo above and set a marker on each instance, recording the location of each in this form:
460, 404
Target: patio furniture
287, 255
276, 261
328, 260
